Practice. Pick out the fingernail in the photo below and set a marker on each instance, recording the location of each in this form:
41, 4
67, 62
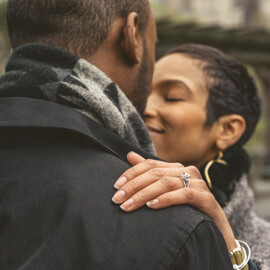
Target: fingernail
153, 203
131, 152
127, 204
119, 196
120, 182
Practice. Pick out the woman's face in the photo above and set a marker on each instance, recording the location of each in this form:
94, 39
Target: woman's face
176, 111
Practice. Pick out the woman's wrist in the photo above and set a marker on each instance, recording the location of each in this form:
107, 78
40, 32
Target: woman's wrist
226, 230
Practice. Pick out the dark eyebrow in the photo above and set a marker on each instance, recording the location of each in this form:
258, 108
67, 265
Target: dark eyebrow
183, 85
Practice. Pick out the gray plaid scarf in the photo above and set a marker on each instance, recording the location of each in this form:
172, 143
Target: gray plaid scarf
44, 72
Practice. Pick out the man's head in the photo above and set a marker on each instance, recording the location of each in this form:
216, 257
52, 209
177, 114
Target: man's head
115, 35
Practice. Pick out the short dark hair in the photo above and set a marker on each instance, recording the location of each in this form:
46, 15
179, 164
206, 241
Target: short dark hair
77, 25
231, 89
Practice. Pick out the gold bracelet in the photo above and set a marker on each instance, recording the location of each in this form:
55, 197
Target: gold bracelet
240, 256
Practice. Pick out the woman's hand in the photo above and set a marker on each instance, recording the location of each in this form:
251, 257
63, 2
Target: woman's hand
159, 185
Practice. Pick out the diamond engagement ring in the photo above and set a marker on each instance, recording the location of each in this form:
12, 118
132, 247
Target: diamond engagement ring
186, 179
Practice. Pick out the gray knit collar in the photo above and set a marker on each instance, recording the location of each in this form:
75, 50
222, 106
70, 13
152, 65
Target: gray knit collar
247, 226
241, 201
44, 72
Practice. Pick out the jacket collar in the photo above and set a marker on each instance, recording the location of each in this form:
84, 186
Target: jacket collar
35, 113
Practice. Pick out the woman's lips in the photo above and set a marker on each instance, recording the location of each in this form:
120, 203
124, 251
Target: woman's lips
155, 130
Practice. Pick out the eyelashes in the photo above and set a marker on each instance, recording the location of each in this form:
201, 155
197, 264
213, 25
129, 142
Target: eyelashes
173, 99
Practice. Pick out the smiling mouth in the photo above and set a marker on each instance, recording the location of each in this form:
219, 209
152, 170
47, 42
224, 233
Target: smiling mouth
155, 130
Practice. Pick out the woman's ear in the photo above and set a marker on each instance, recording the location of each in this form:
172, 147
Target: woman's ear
131, 38
230, 130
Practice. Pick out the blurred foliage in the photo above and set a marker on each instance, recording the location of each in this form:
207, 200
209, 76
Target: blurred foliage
160, 9
4, 43
3, 23
250, 46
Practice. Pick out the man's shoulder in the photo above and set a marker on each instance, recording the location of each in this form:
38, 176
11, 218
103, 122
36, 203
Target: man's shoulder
74, 178
58, 187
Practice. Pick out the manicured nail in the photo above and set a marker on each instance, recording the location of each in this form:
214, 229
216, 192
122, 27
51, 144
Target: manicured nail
127, 204
120, 182
153, 203
131, 152
119, 196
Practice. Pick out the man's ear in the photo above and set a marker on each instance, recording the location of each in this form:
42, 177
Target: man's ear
130, 43
230, 130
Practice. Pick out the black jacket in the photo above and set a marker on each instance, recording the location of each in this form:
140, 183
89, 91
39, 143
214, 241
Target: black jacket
57, 170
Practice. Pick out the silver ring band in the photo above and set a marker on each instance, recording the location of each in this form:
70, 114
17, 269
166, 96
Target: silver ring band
185, 177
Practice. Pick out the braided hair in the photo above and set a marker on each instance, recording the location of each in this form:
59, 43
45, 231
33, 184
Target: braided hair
231, 91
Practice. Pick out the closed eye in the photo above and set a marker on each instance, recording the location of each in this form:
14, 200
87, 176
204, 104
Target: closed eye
173, 99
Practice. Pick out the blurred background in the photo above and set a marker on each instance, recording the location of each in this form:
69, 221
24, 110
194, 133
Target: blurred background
238, 27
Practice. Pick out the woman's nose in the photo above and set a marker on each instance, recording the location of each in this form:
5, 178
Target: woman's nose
151, 108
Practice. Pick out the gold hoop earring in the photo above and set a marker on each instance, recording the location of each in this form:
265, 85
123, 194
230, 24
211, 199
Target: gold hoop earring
209, 164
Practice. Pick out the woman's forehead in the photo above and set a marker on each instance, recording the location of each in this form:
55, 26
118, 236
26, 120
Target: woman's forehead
180, 67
